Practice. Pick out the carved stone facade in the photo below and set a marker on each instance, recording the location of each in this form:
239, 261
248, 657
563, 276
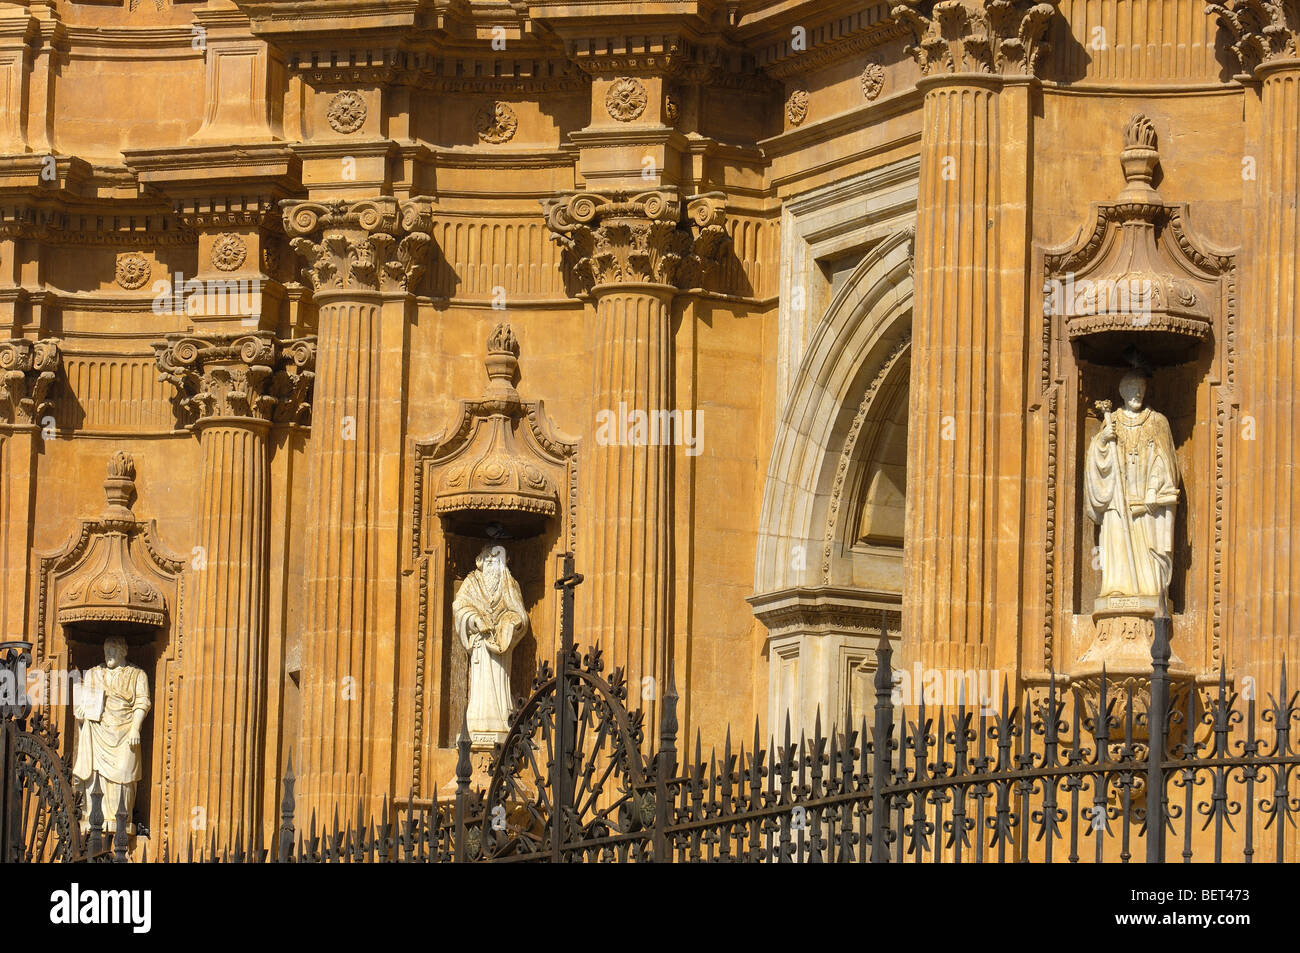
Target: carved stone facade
796, 318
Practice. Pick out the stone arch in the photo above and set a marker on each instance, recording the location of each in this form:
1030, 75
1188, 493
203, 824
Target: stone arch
810, 577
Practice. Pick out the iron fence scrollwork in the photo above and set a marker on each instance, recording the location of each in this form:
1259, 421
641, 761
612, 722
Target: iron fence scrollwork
1062, 771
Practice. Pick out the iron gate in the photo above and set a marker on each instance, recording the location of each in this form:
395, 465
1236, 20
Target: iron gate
39, 806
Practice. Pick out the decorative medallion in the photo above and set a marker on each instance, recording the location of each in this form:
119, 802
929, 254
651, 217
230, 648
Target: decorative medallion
873, 80
796, 107
671, 110
495, 122
626, 99
346, 112
229, 252
132, 270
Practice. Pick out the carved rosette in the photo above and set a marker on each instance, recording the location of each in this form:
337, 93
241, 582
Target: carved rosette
495, 123
626, 99
251, 376
229, 252
873, 80
28, 370
132, 271
346, 112
1263, 31
796, 107
977, 36
376, 244
648, 237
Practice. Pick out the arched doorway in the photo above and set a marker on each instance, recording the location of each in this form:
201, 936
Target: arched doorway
830, 551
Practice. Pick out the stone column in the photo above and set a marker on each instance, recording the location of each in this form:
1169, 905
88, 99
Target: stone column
232, 388
632, 252
28, 371
1264, 587
964, 545
364, 259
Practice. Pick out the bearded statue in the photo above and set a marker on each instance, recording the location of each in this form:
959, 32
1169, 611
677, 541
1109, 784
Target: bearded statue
490, 619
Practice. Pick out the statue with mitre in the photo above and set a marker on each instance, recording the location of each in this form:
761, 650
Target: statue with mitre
1131, 491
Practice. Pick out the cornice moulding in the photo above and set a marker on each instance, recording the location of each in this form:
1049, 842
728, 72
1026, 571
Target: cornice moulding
108, 42
851, 120
275, 166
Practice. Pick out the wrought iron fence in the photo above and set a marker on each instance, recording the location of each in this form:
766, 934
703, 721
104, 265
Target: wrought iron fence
1054, 775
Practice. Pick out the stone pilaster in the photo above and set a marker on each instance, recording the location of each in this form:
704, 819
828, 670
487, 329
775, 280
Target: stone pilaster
964, 546
1265, 536
363, 261
233, 388
28, 373
631, 253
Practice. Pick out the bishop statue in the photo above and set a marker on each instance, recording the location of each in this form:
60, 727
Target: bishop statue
1131, 491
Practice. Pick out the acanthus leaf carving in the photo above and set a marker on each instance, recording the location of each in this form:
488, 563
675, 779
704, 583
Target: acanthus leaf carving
977, 36
28, 371
649, 237
1262, 30
376, 244
253, 376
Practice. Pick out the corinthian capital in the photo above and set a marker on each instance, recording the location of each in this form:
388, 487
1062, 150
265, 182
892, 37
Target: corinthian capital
1262, 30
977, 36
376, 244
28, 370
253, 376
647, 237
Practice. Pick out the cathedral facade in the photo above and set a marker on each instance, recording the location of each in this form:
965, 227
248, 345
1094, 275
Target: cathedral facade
789, 321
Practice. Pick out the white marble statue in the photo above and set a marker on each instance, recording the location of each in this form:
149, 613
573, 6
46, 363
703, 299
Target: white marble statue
110, 707
490, 619
1131, 490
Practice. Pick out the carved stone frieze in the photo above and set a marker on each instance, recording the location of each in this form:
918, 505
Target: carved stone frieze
28, 371
653, 237
1263, 31
376, 244
254, 376
977, 36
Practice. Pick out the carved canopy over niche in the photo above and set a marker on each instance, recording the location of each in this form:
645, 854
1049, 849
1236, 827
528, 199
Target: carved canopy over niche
114, 570
499, 472
1138, 279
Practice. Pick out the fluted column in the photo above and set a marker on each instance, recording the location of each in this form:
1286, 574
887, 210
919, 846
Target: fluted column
964, 538
632, 252
1265, 536
363, 262
232, 388
28, 371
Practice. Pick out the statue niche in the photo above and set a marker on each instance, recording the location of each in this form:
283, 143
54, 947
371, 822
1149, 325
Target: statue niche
113, 592
495, 498
489, 618
110, 710
1142, 303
